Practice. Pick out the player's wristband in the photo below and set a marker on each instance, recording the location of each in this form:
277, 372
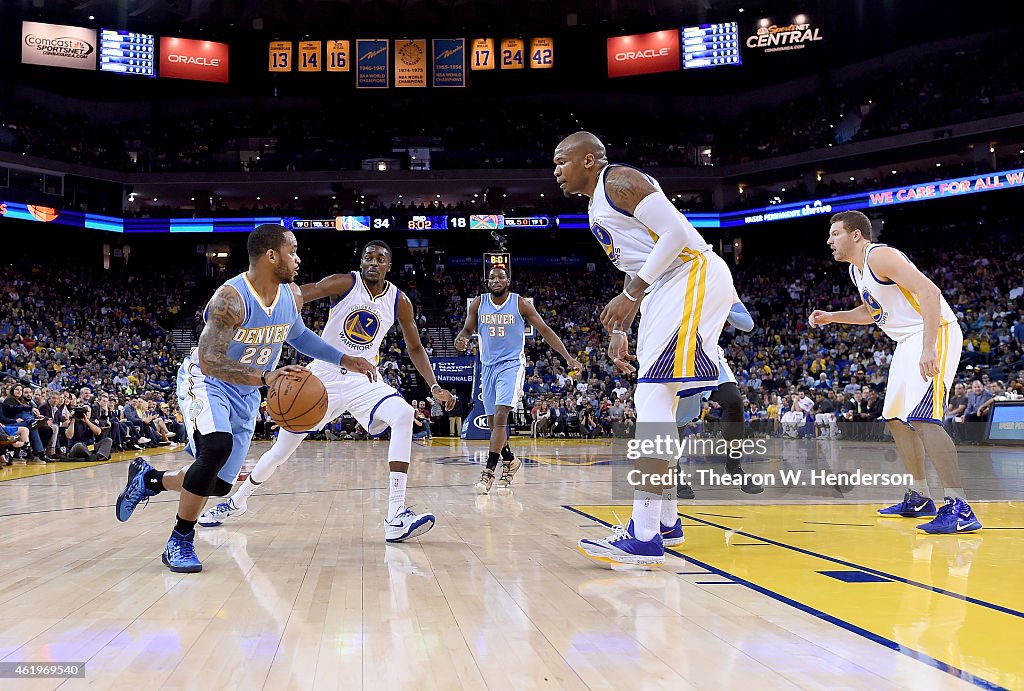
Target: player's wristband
435, 384
630, 297
618, 332
263, 377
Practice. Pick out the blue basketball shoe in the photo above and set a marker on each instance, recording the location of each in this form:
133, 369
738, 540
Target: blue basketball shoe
671, 535
955, 516
135, 490
180, 554
407, 525
913, 505
622, 549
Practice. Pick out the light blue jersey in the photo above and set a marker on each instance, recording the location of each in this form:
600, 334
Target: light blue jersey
502, 330
212, 405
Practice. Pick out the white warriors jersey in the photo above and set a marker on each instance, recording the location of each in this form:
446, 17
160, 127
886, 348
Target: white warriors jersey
626, 240
895, 310
358, 322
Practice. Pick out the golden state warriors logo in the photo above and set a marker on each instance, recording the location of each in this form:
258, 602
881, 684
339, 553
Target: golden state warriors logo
877, 313
361, 327
607, 243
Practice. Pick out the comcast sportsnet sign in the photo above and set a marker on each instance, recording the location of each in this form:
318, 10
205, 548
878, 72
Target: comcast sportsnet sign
643, 53
58, 45
182, 58
796, 34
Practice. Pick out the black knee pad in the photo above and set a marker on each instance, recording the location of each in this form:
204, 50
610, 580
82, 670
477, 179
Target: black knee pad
212, 452
221, 488
729, 397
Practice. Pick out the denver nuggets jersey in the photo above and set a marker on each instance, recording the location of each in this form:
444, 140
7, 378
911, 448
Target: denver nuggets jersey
358, 322
258, 341
502, 330
894, 309
627, 241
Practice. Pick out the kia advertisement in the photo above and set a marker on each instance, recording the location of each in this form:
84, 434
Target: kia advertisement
183, 58
643, 53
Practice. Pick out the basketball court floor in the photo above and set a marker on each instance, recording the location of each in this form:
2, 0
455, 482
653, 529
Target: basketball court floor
786, 589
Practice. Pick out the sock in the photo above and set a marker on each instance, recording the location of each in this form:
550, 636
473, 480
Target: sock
396, 497
646, 514
921, 487
506, 453
955, 492
154, 480
492, 460
245, 491
669, 507
183, 527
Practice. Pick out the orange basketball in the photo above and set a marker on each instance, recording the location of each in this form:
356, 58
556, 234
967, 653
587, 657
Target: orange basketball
43, 213
297, 401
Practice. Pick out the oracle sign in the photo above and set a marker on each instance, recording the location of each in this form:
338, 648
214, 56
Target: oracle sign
643, 53
182, 58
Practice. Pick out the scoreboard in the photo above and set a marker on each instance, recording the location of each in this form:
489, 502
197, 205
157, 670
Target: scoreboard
406, 221
711, 45
126, 52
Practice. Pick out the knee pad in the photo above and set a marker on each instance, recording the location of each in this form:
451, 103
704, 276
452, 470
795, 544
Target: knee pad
212, 452
222, 488
729, 397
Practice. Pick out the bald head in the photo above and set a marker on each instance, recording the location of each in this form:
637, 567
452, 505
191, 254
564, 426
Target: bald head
579, 159
582, 143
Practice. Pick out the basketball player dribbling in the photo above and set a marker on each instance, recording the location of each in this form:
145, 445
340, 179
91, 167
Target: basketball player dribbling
688, 290
501, 317
248, 320
909, 309
364, 306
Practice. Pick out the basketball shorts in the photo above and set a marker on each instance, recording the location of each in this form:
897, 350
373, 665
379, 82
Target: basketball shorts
210, 405
681, 322
690, 405
502, 384
355, 393
910, 398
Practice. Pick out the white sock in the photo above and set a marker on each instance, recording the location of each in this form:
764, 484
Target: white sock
669, 507
955, 492
921, 487
396, 497
245, 491
646, 514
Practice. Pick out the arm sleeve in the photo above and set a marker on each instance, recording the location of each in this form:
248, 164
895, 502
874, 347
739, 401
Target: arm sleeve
740, 317
311, 345
675, 233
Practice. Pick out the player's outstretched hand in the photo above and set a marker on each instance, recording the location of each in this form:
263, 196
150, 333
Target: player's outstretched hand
447, 398
819, 318
361, 365
574, 365
461, 343
287, 369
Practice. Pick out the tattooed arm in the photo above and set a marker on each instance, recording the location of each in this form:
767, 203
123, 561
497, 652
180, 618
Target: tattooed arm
226, 313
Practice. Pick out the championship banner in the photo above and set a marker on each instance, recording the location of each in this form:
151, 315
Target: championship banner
372, 63
183, 58
280, 56
542, 53
58, 45
453, 370
449, 62
512, 53
474, 425
643, 53
411, 62
482, 55
797, 33
338, 56
310, 56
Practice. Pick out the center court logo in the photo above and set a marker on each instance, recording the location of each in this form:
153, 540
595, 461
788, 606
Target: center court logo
361, 327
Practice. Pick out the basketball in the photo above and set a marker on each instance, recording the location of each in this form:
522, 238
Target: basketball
297, 401
43, 213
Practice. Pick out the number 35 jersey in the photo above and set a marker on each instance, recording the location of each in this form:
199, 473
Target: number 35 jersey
502, 329
358, 322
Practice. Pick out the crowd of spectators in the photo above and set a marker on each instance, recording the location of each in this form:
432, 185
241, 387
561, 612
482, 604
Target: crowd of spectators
941, 88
